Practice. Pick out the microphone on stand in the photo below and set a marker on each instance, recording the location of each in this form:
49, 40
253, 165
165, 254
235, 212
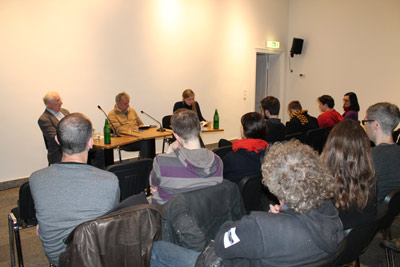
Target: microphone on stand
115, 134
161, 129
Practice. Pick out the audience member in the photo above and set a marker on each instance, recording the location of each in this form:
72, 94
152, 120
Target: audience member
187, 166
347, 153
330, 117
306, 229
70, 192
381, 119
350, 106
300, 121
270, 110
125, 118
188, 102
48, 122
248, 152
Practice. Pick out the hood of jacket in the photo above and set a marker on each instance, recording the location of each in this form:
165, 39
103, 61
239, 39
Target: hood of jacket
201, 162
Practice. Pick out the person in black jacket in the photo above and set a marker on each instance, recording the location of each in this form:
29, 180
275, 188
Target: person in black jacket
188, 102
248, 152
270, 110
300, 121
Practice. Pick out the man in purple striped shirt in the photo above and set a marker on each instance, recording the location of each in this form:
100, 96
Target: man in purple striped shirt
186, 166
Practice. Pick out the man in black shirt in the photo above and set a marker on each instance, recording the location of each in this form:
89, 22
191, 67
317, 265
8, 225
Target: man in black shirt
270, 110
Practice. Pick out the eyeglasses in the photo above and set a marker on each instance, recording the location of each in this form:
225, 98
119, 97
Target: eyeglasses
363, 122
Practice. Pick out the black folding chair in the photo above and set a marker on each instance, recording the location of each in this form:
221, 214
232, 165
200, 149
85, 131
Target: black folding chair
357, 240
166, 123
316, 138
392, 203
133, 176
396, 136
21, 217
256, 197
299, 136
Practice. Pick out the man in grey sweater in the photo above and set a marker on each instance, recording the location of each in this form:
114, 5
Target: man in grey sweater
71, 192
380, 121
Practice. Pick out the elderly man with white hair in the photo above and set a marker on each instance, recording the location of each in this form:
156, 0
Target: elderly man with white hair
48, 122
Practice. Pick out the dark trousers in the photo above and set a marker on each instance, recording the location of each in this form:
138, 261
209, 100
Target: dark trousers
141, 146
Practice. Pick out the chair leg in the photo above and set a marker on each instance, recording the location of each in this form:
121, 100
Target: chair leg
163, 145
119, 154
11, 236
387, 235
19, 248
390, 257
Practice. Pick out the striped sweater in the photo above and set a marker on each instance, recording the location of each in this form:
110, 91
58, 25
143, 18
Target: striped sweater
184, 170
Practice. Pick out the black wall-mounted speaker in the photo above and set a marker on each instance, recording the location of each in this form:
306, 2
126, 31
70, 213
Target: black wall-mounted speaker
297, 46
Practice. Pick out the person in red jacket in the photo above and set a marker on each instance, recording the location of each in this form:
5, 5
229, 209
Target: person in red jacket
330, 117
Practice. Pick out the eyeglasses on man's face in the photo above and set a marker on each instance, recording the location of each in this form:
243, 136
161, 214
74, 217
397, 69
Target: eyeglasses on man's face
363, 122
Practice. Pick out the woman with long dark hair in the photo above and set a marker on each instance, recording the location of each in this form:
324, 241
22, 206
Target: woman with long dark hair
350, 106
347, 153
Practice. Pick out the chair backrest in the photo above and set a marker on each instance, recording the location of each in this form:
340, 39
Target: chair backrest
357, 240
256, 197
222, 151
166, 122
316, 138
26, 205
392, 202
194, 218
122, 238
396, 136
133, 176
299, 136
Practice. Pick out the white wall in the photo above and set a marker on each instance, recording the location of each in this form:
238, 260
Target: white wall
348, 46
90, 50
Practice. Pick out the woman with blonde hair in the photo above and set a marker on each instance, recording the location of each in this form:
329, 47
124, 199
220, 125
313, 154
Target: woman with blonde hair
347, 153
188, 102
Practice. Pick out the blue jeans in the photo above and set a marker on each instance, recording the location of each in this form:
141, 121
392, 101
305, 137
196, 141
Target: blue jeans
171, 255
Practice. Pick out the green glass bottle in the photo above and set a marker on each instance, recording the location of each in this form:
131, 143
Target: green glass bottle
107, 133
216, 119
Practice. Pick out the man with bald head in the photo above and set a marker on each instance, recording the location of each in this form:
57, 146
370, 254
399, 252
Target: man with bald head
48, 122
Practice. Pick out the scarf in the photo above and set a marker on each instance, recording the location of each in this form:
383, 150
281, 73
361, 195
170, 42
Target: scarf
300, 116
250, 145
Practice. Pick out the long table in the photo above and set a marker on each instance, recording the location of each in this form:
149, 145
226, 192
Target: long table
131, 137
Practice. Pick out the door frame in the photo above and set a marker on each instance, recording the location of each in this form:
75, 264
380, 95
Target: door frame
282, 81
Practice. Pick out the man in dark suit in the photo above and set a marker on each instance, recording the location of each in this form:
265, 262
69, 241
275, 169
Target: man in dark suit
48, 122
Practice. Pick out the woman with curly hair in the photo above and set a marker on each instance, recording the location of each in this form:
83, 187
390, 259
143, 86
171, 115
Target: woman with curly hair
347, 153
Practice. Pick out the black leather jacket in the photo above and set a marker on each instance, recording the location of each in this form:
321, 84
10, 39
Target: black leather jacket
122, 238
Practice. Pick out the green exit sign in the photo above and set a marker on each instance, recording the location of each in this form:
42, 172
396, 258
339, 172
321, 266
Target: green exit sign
272, 44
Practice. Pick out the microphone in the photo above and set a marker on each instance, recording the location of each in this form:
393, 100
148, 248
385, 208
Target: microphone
161, 129
115, 134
